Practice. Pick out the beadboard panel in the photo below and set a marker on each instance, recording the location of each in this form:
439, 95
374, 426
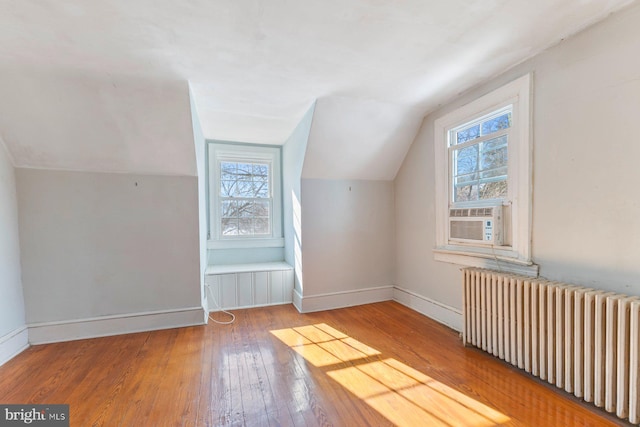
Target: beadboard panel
249, 289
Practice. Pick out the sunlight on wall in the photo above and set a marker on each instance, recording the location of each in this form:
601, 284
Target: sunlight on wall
297, 237
403, 395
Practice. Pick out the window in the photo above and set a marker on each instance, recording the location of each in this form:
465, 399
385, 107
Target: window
245, 198
244, 193
478, 153
483, 181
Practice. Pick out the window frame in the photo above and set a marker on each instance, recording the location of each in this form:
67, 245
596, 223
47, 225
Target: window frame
218, 152
517, 256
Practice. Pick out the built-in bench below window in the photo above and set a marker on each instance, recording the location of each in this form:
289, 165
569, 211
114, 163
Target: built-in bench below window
249, 285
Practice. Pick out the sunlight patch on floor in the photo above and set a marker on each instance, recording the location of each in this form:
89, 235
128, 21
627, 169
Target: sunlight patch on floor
322, 345
403, 395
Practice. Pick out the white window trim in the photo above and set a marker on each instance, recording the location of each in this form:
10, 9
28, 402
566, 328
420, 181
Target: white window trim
517, 257
219, 150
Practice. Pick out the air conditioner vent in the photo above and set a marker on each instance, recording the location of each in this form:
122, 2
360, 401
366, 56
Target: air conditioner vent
459, 212
474, 212
476, 225
478, 212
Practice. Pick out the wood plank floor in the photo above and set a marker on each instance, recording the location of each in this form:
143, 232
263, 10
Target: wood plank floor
373, 365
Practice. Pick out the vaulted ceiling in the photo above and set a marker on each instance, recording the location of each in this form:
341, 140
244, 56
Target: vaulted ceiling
103, 85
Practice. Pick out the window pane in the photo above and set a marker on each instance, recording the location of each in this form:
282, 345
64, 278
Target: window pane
261, 169
491, 173
493, 190
244, 189
466, 193
494, 159
259, 178
245, 171
497, 123
245, 226
228, 171
261, 209
229, 226
467, 134
227, 188
494, 153
467, 160
248, 212
495, 143
244, 179
260, 189
261, 226
480, 171
466, 178
229, 209
245, 209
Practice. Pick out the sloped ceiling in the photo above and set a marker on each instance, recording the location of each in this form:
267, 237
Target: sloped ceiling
97, 122
255, 67
353, 138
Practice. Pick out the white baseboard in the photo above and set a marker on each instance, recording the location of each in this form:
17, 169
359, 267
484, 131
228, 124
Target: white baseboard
13, 343
437, 311
333, 300
48, 332
218, 309
297, 300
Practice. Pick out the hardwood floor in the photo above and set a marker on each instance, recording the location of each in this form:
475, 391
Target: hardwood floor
374, 365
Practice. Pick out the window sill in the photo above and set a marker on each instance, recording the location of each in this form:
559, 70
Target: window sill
486, 260
247, 268
246, 243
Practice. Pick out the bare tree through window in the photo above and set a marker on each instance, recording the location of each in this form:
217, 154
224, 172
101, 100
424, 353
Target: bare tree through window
245, 199
480, 159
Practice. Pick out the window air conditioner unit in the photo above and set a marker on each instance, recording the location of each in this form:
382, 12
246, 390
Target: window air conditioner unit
476, 225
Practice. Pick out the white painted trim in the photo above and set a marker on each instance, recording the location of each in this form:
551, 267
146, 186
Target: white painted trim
69, 330
13, 343
276, 242
518, 93
297, 300
247, 268
488, 261
442, 313
333, 300
243, 307
109, 172
218, 151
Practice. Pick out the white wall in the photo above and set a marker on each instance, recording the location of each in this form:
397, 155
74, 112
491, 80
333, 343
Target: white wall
100, 244
355, 138
12, 315
201, 161
586, 225
348, 235
293, 154
98, 122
